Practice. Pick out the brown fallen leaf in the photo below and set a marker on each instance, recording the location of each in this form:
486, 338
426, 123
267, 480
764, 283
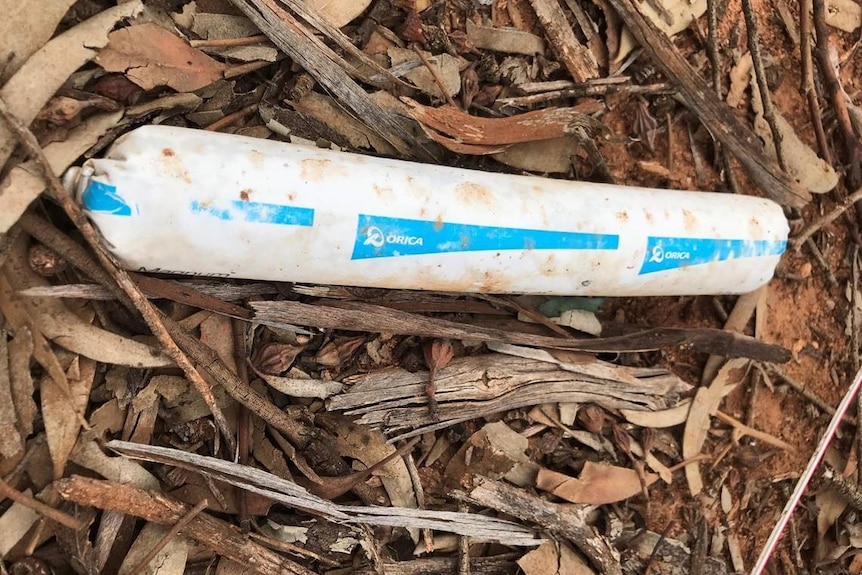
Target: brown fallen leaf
170, 560
370, 446
50, 67
21, 381
507, 40
339, 12
151, 56
14, 524
463, 133
703, 406
62, 422
11, 442
597, 485
26, 27
553, 558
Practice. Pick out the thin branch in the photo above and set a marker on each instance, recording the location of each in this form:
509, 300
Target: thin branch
826, 219
760, 77
808, 86
438, 79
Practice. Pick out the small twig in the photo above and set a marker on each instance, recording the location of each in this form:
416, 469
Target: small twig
244, 424
243, 69
231, 118
435, 73
463, 546
805, 479
712, 44
291, 548
801, 389
9, 492
751, 432
121, 277
427, 534
821, 261
807, 73
760, 77
826, 219
586, 90
166, 538
229, 42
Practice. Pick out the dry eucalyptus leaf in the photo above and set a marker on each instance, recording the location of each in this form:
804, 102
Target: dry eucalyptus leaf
552, 156
11, 442
23, 184
553, 558
357, 134
704, 404
53, 320
88, 454
49, 68
170, 560
151, 56
844, 14
370, 446
447, 66
658, 419
803, 163
597, 484
301, 386
673, 17
338, 12
14, 524
21, 380
507, 40
217, 334
493, 451
26, 27
61, 418
220, 26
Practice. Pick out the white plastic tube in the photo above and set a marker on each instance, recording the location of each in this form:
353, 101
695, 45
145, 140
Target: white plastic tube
184, 201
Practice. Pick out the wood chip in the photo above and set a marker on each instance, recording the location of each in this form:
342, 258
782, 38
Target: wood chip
577, 58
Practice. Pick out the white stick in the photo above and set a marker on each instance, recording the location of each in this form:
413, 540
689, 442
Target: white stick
803, 482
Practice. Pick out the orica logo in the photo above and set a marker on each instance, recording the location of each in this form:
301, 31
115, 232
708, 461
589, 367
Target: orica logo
658, 255
375, 237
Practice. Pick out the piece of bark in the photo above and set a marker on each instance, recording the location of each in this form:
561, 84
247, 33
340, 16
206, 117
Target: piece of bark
476, 386
289, 493
566, 520
225, 539
577, 58
320, 61
450, 126
355, 316
717, 116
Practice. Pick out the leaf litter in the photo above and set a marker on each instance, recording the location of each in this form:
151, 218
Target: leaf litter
521, 422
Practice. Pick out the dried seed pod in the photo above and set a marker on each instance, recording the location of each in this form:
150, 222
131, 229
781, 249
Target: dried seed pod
45, 261
337, 351
275, 357
592, 418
